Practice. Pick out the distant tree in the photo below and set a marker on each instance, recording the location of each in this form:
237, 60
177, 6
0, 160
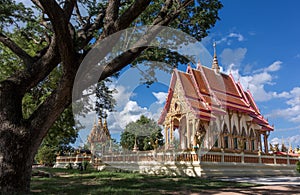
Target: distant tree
298, 166
46, 155
104, 98
145, 132
62, 133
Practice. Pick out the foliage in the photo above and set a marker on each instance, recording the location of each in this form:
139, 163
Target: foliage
12, 13
41, 50
63, 132
298, 166
46, 156
145, 132
104, 98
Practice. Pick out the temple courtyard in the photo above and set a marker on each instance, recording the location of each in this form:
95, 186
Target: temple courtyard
63, 181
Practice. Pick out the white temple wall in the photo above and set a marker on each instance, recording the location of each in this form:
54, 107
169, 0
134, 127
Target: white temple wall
181, 114
235, 122
244, 125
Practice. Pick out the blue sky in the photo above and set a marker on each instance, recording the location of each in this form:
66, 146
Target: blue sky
260, 40
257, 41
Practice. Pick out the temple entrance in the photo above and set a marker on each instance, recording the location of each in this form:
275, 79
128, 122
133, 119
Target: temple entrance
183, 134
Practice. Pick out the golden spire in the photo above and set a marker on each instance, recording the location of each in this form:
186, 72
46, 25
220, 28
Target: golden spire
105, 129
215, 65
93, 132
100, 122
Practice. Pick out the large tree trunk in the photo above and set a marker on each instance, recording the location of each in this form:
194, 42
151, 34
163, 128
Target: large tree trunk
16, 153
15, 160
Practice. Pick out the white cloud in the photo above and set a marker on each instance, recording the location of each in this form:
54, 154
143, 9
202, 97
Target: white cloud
257, 81
233, 56
274, 67
129, 110
292, 112
288, 141
160, 96
122, 96
237, 35
229, 38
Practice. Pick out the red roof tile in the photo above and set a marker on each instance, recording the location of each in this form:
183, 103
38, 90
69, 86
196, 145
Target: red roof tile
208, 93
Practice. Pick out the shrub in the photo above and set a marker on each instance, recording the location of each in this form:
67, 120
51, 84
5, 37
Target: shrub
46, 156
298, 166
85, 165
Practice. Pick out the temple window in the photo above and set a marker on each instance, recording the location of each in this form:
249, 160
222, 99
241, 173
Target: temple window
243, 132
245, 144
253, 145
244, 138
216, 135
216, 141
226, 144
252, 137
225, 133
235, 139
235, 142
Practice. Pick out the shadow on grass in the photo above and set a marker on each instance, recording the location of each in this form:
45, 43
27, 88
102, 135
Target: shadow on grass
89, 182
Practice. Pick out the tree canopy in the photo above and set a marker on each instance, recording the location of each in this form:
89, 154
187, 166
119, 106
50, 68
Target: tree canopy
145, 132
42, 47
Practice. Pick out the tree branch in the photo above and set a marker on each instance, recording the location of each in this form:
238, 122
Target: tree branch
131, 14
125, 58
59, 99
78, 14
129, 56
112, 12
60, 22
40, 68
28, 60
68, 8
38, 4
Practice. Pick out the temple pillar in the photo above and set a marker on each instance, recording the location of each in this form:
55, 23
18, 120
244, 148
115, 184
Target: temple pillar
266, 143
188, 133
166, 136
172, 133
194, 130
260, 142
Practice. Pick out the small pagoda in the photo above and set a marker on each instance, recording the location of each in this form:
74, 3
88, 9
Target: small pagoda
99, 135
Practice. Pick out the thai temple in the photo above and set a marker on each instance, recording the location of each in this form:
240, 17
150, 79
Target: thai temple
99, 135
211, 126
209, 108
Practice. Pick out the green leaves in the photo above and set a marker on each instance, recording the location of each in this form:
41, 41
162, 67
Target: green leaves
13, 13
105, 101
145, 132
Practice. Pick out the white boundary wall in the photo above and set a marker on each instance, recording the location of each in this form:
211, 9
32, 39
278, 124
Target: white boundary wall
189, 164
210, 163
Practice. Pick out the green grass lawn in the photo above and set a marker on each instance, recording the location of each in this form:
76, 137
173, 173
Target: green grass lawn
92, 182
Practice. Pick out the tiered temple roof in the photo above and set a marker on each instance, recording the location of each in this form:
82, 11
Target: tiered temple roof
99, 132
209, 93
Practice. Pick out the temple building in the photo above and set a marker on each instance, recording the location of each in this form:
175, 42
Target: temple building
212, 127
99, 135
209, 109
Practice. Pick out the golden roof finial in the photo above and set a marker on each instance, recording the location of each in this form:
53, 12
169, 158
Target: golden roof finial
215, 64
199, 65
100, 122
105, 129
